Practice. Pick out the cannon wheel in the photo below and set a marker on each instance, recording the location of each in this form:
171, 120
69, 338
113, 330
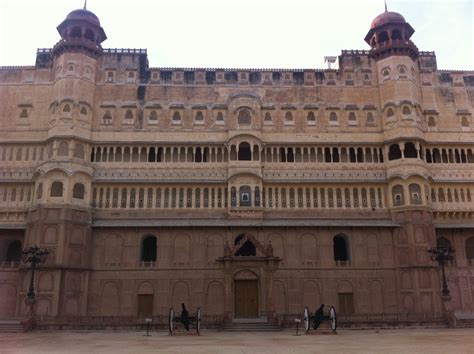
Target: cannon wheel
171, 320
306, 318
333, 318
198, 319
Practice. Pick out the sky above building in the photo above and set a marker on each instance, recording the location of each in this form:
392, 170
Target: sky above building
240, 33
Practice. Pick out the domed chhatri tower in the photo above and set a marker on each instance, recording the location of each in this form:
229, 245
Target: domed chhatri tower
404, 131
390, 34
325, 185
80, 32
64, 205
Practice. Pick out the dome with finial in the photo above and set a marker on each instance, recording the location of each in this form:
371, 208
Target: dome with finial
80, 32
387, 17
84, 15
389, 35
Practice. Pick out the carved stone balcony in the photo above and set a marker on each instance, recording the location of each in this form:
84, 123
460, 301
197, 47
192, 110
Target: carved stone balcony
245, 167
407, 167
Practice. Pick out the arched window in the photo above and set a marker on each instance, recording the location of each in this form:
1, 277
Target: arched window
176, 117
394, 152
199, 117
129, 114
244, 152
220, 117
415, 193
397, 195
83, 111
352, 120
244, 117
311, 119
107, 118
288, 118
383, 37
57, 189
198, 155
431, 121
390, 112
89, 35
76, 32
78, 191
396, 34
245, 196
470, 248
14, 252
246, 249
406, 110
24, 113
370, 119
333, 118
464, 122
153, 117
341, 252
66, 108
410, 151
268, 117
148, 252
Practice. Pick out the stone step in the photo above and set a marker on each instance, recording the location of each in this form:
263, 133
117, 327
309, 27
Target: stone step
11, 326
465, 323
251, 327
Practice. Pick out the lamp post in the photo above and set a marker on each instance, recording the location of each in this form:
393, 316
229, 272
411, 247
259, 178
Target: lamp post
33, 255
442, 255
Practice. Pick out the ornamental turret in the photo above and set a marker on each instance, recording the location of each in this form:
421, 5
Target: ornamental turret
80, 33
389, 35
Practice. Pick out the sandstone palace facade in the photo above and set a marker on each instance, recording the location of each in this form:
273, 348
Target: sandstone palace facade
250, 193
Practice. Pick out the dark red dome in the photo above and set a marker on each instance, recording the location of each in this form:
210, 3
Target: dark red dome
82, 14
386, 17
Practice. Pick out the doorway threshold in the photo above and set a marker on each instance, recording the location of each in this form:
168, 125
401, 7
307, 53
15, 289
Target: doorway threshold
250, 320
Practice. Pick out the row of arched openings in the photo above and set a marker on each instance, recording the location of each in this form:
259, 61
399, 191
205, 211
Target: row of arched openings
341, 252
57, 190
148, 251
468, 246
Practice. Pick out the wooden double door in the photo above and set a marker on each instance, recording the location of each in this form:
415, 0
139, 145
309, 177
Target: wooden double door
145, 305
246, 298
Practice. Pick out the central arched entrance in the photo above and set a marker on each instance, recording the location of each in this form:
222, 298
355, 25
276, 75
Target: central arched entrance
245, 294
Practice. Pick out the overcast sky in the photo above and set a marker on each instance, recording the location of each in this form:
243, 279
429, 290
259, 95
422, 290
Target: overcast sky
240, 33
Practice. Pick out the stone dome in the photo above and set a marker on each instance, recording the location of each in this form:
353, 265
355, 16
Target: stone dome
82, 14
386, 17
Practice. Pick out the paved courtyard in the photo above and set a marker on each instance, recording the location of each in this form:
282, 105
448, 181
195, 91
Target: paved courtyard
347, 341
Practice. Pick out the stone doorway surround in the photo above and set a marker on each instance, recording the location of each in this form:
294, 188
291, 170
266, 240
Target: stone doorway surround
259, 268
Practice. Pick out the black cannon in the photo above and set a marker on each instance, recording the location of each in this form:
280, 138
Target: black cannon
319, 317
185, 319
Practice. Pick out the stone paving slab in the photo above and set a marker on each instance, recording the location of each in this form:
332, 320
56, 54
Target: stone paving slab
430, 341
